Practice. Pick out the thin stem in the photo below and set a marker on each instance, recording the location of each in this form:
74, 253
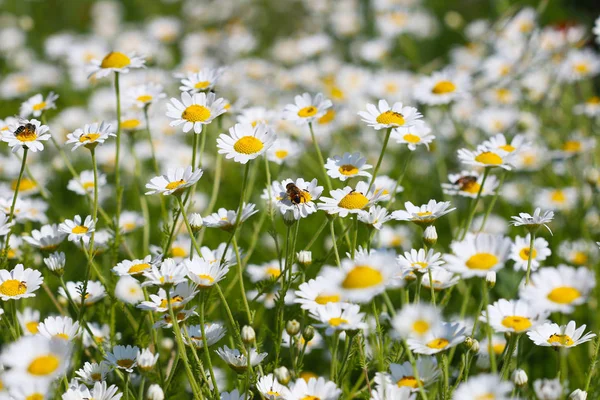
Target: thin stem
510, 349
335, 249
320, 157
488, 328
431, 286
241, 279
117, 164
13, 204
493, 202
474, 206
592, 366
530, 256
213, 378
376, 170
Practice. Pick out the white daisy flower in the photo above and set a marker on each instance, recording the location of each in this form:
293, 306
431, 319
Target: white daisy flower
347, 166
384, 117
180, 295
442, 88
284, 150
296, 204
478, 254
533, 222
5, 226
90, 136
420, 261
169, 273
554, 335
245, 142
271, 389
577, 252
78, 230
306, 109
520, 250
146, 360
317, 292
374, 217
439, 338
133, 267
391, 392
441, 278
314, 388
174, 182
29, 319
36, 105
204, 273
129, 290
59, 327
213, 332
115, 62
486, 157
142, 96
419, 133
100, 391
47, 238
84, 183
166, 322
468, 183
425, 214
257, 115
402, 375
562, 199
416, 320
195, 110
91, 373
94, 292
238, 361
26, 133
484, 386
499, 141
338, 317
266, 271
201, 81
349, 201
19, 282
512, 316
130, 221
548, 389
226, 219
123, 357
579, 65
387, 186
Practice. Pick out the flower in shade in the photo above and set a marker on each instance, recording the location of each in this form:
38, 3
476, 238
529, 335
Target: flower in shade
115, 61
238, 361
19, 283
213, 332
47, 238
226, 219
26, 133
91, 373
174, 182
383, 116
425, 214
195, 110
94, 292
5, 226
555, 335
306, 109
245, 142
347, 166
123, 357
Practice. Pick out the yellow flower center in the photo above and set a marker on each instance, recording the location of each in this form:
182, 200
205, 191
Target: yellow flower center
62, 336
175, 299
516, 323
248, 145
348, 170
579, 258
572, 146
196, 113
419, 265
25, 185
410, 138
581, 68
89, 137
508, 148
145, 98
130, 124
503, 95
309, 397
564, 294
138, 268
32, 327
595, 100
420, 326
471, 187
115, 59
96, 376
498, 348
202, 85
408, 381
80, 229
353, 201
424, 213
307, 375
125, 363
443, 87
362, 277
44, 365
35, 396
281, 154
178, 251
327, 117
175, 184
39, 106
564, 340
391, 118
482, 261
487, 396
206, 277
438, 344
524, 253
273, 272
558, 196
337, 321
489, 158
308, 111
13, 287
324, 298
88, 185
272, 393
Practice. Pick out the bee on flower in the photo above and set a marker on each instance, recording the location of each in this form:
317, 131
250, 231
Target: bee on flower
27, 134
384, 117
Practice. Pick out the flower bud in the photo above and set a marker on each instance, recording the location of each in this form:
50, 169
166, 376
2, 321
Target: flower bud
167, 343
472, 344
308, 333
430, 236
282, 374
304, 258
196, 222
519, 377
490, 278
155, 392
578, 394
248, 334
292, 327
56, 263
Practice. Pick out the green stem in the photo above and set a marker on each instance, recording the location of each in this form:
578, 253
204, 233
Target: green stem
530, 256
320, 157
431, 286
335, 249
592, 366
488, 328
241, 279
493, 202
474, 206
510, 349
13, 204
376, 170
207, 351
117, 164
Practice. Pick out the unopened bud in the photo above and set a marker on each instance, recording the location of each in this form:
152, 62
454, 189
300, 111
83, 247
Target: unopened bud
308, 333
519, 377
167, 343
196, 222
248, 334
592, 176
292, 327
578, 394
490, 278
472, 344
304, 258
155, 392
282, 374
430, 236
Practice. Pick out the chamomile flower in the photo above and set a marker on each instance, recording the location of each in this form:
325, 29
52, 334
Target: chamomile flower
91, 373
478, 254
180, 295
520, 250
554, 335
174, 182
100, 391
548, 389
339, 317
391, 392
441, 278
47, 238
123, 357
403, 375
590, 108
486, 157
562, 199
317, 292
419, 133
195, 110
90, 136
132, 267
416, 320
384, 117
440, 337
202, 80
213, 332
226, 219
578, 65
577, 252
271, 389
143, 95
314, 388
130, 221
420, 261
94, 292
300, 204
84, 183
266, 271
559, 289
5, 226
115, 61
238, 361
499, 141
168, 274
59, 327
146, 360
283, 150
19, 283
349, 201
204, 273
128, 290
484, 386
29, 319
306, 109
26, 133
387, 186
347, 166
36, 105
425, 214
374, 217
512, 316
166, 322
245, 142
78, 230
442, 88
533, 222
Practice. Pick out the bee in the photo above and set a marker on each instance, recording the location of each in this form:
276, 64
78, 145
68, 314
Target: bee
465, 181
295, 194
26, 130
